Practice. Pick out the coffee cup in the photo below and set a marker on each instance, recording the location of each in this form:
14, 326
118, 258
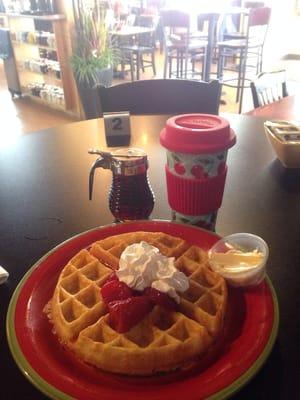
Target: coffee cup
196, 168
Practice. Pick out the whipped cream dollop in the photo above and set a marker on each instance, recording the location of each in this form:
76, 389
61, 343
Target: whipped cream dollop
142, 265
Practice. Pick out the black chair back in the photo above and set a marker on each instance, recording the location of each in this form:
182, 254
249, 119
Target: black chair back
162, 96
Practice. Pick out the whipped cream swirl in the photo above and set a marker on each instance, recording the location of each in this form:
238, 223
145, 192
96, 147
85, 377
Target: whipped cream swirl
142, 265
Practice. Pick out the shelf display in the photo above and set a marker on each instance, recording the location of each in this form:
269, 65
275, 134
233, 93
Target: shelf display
42, 51
42, 66
30, 7
48, 93
45, 39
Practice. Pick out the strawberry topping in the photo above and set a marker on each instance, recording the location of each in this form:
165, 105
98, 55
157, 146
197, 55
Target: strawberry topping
124, 314
161, 299
127, 307
112, 277
115, 290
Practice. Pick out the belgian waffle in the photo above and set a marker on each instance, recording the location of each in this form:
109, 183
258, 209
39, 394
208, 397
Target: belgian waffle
163, 340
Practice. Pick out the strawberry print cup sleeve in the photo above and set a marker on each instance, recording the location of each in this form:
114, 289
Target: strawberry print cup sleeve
197, 147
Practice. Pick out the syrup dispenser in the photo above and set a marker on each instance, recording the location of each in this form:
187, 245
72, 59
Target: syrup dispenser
130, 195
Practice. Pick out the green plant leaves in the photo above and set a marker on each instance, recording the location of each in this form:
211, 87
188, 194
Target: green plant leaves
93, 49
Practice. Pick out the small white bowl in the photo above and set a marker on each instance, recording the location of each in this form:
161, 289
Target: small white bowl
245, 274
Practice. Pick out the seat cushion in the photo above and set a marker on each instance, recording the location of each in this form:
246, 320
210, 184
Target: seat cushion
234, 44
137, 49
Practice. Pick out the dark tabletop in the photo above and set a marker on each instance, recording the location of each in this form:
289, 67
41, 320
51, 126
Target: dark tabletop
44, 200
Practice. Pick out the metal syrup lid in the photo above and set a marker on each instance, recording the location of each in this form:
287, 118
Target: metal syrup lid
125, 161
130, 161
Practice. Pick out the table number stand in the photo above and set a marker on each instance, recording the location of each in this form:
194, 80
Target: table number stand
117, 129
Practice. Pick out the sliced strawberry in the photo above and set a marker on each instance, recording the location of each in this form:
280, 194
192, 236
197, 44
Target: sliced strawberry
161, 299
115, 290
124, 314
112, 277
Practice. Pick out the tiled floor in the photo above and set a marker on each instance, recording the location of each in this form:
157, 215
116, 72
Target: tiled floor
21, 116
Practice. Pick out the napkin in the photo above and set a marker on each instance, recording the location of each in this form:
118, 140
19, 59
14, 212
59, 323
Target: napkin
3, 275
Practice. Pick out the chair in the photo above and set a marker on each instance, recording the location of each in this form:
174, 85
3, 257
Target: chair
179, 44
237, 20
144, 45
245, 50
162, 96
207, 30
232, 24
268, 87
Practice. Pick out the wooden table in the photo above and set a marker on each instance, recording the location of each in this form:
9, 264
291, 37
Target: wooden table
44, 201
126, 31
287, 108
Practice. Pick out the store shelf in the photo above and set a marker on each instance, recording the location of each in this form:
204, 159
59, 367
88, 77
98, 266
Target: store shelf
39, 100
58, 27
49, 78
16, 42
52, 17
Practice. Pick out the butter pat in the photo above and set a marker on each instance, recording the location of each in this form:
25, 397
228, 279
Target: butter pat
237, 259
240, 258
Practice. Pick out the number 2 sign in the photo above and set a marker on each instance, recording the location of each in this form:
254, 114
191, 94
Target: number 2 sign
117, 128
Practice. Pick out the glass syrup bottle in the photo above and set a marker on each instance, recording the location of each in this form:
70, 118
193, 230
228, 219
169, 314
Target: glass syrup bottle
130, 195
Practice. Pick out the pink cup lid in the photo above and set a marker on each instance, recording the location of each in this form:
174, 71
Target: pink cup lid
197, 133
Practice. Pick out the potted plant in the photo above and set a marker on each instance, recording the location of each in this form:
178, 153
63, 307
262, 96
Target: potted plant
93, 54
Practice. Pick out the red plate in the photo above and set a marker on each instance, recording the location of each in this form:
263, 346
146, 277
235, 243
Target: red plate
250, 331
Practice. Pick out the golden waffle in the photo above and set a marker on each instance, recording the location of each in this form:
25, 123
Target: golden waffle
163, 340
77, 301
110, 249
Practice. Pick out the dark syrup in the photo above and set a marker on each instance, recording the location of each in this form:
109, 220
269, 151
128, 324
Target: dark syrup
131, 197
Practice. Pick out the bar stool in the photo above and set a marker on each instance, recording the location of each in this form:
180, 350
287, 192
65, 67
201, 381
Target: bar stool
207, 30
244, 50
179, 44
143, 46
